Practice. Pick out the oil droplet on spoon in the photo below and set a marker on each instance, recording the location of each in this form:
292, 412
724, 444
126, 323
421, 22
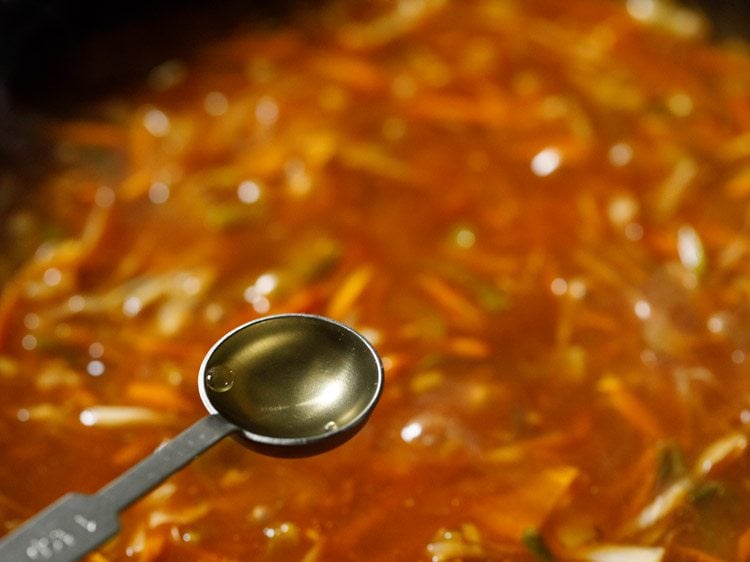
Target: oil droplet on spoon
220, 378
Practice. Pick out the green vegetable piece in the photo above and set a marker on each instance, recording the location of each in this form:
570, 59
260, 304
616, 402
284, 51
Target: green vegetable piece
706, 491
534, 541
671, 463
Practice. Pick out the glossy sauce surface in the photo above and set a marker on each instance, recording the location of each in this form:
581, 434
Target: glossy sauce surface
536, 211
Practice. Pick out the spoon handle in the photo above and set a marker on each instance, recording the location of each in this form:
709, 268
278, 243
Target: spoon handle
166, 460
76, 524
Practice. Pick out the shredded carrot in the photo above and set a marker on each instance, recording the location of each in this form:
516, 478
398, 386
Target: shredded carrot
630, 407
526, 505
596, 320
265, 160
457, 306
485, 262
743, 546
735, 148
444, 107
150, 546
350, 291
96, 557
157, 395
738, 186
373, 159
542, 446
396, 365
142, 147
468, 347
136, 185
11, 294
354, 72
304, 300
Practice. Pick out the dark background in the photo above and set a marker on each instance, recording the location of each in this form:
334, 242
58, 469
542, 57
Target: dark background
43, 62
38, 38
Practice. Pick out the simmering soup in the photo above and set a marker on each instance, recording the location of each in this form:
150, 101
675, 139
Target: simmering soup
537, 211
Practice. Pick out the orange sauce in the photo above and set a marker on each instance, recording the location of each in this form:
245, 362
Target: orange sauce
537, 212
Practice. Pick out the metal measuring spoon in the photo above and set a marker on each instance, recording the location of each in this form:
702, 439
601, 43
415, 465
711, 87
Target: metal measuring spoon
290, 385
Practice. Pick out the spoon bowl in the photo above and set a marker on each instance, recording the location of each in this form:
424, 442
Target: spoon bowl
295, 384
